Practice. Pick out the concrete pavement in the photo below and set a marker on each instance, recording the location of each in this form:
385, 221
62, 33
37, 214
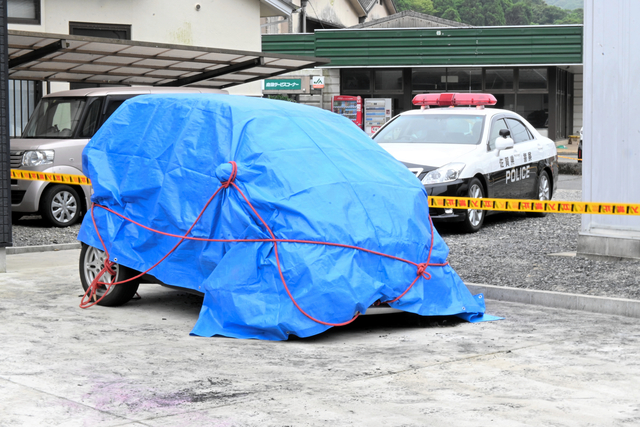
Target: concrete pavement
136, 365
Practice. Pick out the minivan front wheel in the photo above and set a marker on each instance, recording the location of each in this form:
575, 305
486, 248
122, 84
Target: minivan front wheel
60, 205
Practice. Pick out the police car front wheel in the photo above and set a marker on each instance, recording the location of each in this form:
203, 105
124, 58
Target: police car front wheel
474, 218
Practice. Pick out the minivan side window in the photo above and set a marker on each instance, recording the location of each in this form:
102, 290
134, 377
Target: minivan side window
519, 132
112, 105
91, 120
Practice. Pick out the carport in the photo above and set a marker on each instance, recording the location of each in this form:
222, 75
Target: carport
80, 59
67, 58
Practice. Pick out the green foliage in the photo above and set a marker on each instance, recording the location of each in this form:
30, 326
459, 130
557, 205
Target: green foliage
575, 17
567, 4
519, 14
451, 14
442, 6
422, 6
499, 12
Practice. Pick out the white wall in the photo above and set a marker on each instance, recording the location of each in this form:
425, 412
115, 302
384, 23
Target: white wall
225, 24
578, 102
611, 171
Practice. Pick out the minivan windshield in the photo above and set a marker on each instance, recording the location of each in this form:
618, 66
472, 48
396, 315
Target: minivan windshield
55, 118
433, 129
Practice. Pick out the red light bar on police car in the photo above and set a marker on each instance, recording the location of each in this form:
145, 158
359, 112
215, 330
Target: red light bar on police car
452, 99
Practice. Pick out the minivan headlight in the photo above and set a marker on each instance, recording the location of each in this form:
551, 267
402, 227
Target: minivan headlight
37, 158
446, 173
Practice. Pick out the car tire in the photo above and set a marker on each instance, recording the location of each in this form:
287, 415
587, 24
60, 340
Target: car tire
60, 205
474, 219
543, 189
91, 263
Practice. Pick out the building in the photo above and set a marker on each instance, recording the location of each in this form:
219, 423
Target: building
533, 70
311, 15
224, 24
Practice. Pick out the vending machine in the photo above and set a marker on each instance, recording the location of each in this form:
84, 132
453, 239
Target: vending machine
377, 111
348, 106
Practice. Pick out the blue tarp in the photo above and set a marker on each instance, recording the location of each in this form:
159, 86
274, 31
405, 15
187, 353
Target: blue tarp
310, 174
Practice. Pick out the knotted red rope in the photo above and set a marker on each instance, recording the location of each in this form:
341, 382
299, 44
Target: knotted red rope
230, 182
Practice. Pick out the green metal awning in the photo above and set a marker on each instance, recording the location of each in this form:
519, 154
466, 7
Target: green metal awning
67, 58
437, 47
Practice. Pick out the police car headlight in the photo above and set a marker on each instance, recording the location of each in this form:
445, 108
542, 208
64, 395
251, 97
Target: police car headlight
37, 158
446, 173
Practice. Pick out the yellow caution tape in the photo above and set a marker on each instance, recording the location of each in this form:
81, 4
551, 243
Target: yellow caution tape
508, 205
516, 205
51, 177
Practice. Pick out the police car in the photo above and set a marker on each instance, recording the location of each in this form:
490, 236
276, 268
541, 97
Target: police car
471, 151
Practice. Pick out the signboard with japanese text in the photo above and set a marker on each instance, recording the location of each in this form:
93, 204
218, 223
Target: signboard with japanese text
286, 85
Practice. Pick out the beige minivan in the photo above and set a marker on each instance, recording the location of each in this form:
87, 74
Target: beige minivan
53, 139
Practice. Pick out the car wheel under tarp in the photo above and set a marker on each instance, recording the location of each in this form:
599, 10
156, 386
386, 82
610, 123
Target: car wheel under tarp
92, 263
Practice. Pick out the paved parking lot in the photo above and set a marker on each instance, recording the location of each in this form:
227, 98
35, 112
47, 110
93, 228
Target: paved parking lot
137, 365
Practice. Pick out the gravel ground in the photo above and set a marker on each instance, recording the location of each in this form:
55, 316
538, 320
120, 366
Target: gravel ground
510, 250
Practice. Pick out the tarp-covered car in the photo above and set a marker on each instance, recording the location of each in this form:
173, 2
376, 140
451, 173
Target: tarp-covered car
292, 219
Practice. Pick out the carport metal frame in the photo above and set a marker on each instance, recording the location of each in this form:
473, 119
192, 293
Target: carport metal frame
81, 59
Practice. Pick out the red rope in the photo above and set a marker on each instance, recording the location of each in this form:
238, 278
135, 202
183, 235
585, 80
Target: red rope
91, 290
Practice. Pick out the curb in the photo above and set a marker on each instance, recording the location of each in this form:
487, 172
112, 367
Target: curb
42, 248
566, 168
592, 304
588, 303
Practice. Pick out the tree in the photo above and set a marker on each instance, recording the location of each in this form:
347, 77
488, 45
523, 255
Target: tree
493, 13
519, 14
442, 6
422, 6
451, 14
575, 17
471, 12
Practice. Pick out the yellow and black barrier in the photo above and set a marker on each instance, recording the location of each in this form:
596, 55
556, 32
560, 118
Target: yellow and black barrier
516, 205
58, 178
508, 205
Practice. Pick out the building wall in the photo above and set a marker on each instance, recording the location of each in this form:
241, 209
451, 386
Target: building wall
339, 13
578, 79
225, 24
611, 126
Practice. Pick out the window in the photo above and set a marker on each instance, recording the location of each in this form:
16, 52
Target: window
519, 132
356, 80
532, 78
91, 29
497, 126
429, 79
534, 108
23, 12
388, 80
499, 79
464, 79
91, 121
55, 118
433, 129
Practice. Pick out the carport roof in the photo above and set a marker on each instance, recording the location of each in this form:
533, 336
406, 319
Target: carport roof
68, 58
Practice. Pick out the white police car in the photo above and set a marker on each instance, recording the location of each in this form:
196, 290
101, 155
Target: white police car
471, 152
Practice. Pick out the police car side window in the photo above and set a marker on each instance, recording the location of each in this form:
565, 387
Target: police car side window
496, 127
519, 132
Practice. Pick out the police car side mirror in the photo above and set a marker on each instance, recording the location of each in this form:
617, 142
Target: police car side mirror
504, 143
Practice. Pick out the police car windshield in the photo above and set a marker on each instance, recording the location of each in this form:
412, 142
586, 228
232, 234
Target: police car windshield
433, 129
